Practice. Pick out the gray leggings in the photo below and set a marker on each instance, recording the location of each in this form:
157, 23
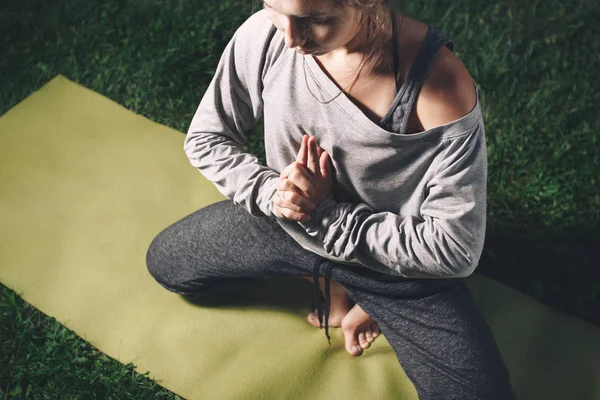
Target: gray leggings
445, 347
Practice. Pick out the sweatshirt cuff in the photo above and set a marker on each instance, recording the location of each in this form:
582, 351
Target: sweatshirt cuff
319, 214
267, 191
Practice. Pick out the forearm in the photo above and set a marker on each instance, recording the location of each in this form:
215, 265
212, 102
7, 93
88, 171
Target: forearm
231, 106
413, 246
237, 174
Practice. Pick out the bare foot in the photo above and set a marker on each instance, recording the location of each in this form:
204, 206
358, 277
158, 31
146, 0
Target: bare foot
358, 327
359, 330
340, 304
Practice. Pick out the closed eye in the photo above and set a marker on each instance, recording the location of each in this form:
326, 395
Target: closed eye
323, 22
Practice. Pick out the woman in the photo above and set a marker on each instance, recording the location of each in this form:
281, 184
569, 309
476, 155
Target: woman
375, 180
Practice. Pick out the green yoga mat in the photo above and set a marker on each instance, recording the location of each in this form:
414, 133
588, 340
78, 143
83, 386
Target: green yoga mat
85, 187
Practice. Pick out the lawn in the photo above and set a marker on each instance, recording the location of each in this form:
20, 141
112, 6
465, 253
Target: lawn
535, 62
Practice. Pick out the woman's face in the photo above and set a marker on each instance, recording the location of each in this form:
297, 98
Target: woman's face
314, 27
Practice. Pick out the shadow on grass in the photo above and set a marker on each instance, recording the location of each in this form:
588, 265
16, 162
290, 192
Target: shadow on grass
550, 355
560, 270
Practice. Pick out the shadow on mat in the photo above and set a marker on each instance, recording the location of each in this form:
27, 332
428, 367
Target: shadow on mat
549, 357
279, 292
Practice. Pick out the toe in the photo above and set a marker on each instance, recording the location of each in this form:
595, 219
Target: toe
351, 344
375, 330
313, 319
362, 339
369, 335
355, 350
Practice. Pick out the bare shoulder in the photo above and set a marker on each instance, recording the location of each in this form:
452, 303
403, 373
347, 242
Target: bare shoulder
448, 92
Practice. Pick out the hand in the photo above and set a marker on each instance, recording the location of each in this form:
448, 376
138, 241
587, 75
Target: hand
291, 202
318, 183
305, 183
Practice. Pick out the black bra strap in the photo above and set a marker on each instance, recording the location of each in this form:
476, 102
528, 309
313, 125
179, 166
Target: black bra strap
396, 120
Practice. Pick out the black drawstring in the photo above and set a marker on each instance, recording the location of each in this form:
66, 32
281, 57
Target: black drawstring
328, 268
317, 291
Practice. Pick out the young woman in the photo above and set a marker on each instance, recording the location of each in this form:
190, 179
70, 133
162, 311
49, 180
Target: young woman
374, 186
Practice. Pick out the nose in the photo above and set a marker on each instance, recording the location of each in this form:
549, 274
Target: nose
293, 32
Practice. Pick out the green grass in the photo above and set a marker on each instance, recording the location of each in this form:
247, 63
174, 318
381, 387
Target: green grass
43, 360
535, 63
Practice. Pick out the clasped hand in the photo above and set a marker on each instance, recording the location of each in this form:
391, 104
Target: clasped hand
305, 183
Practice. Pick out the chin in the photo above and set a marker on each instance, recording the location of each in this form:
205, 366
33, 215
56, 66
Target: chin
317, 52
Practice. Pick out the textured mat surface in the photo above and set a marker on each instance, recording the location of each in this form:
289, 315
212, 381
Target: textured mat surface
85, 185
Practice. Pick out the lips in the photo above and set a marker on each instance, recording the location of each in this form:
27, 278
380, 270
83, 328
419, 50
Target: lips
307, 49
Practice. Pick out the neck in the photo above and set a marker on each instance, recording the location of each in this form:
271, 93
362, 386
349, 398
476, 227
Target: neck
356, 44
351, 54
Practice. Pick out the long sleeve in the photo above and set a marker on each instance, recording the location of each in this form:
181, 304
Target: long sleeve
444, 240
231, 105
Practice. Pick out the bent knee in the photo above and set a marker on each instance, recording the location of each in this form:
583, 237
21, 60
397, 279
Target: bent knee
171, 271
160, 262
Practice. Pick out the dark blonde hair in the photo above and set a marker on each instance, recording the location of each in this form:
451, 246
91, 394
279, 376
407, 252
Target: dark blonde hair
376, 14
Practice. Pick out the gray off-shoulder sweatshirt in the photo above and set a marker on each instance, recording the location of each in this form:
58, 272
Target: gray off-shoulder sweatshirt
411, 205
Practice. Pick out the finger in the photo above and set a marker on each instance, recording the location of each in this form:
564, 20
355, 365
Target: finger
312, 160
287, 213
292, 167
286, 185
280, 201
319, 151
300, 177
325, 166
303, 181
278, 214
301, 157
294, 201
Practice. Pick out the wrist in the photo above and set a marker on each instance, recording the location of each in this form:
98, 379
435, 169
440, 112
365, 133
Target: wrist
322, 210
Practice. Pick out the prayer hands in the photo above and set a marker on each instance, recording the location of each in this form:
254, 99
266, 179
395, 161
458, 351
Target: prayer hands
305, 183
